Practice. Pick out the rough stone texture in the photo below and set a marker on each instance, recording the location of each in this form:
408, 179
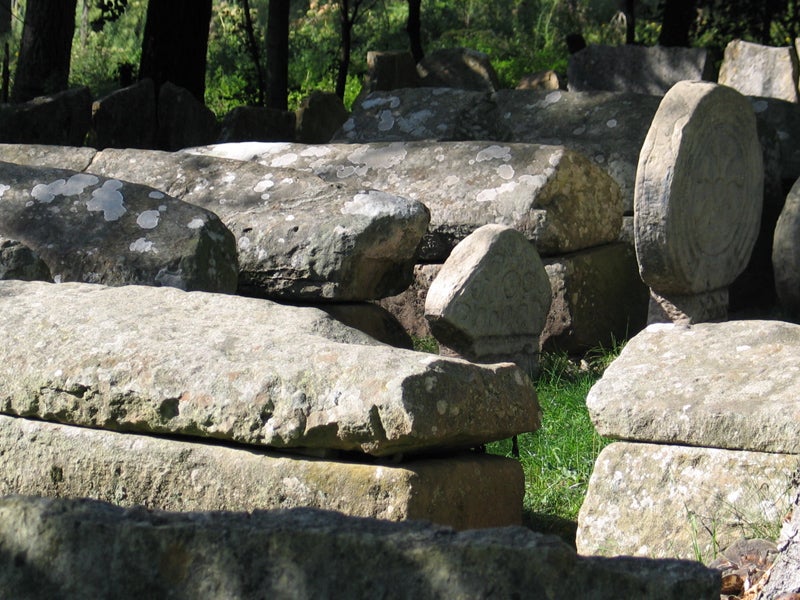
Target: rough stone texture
541, 80
464, 491
183, 121
638, 69
672, 501
224, 367
699, 190
725, 385
39, 155
552, 195
126, 118
61, 119
372, 319
98, 230
319, 115
413, 114
490, 300
76, 549
17, 261
784, 118
783, 580
598, 299
687, 309
409, 306
461, 68
756, 70
389, 71
786, 253
245, 123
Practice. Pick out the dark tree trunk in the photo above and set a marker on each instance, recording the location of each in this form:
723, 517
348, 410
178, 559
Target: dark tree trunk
414, 29
676, 22
43, 63
629, 10
175, 44
252, 46
344, 50
278, 54
5, 17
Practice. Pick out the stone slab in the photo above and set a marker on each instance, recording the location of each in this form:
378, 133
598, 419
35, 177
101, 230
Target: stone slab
63, 461
160, 360
724, 385
76, 549
661, 501
786, 253
552, 195
758, 70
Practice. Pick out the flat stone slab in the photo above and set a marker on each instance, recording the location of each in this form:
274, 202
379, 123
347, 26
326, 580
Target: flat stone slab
552, 195
699, 190
50, 459
76, 549
658, 501
724, 385
95, 229
758, 70
159, 360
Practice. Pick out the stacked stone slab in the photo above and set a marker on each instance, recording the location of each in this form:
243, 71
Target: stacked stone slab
709, 451
190, 395
699, 191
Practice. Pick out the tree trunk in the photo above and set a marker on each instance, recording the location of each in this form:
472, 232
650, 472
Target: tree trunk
278, 54
630, 21
676, 22
175, 43
414, 29
43, 63
253, 48
344, 50
5, 17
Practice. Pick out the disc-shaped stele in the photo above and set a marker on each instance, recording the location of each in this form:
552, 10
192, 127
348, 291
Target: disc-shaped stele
699, 190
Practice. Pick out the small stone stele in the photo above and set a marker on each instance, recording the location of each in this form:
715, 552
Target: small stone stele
491, 298
756, 70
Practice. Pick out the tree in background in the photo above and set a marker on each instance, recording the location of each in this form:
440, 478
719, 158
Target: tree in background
679, 16
5, 17
414, 29
175, 43
349, 13
278, 54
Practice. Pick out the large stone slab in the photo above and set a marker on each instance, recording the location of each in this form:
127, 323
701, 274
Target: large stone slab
100, 230
639, 69
76, 549
724, 385
662, 501
757, 70
62, 118
461, 68
554, 196
49, 459
126, 118
786, 253
40, 155
251, 371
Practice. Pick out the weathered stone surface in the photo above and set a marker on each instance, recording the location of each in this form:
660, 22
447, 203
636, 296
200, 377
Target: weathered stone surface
638, 69
389, 71
663, 501
460, 68
414, 114
17, 261
409, 306
784, 117
598, 299
318, 117
164, 361
687, 309
490, 300
372, 319
40, 155
541, 80
98, 230
126, 118
783, 579
61, 118
699, 190
786, 253
725, 385
183, 121
49, 459
553, 196
76, 549
245, 123
756, 70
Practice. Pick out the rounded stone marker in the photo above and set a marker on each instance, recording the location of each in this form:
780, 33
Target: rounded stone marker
699, 190
786, 253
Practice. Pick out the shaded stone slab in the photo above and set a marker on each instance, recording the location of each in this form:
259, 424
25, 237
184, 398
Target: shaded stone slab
251, 371
784, 118
79, 548
461, 68
758, 70
49, 459
125, 118
63, 118
409, 306
786, 253
725, 385
183, 120
389, 70
639, 69
100, 230
40, 155
318, 117
662, 501
17, 261
699, 191
552, 195
245, 123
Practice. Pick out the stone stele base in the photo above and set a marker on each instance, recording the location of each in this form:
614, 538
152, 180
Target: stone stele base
46, 459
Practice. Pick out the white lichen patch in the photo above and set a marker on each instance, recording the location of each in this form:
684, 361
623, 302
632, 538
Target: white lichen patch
148, 219
289, 218
285, 160
492, 194
376, 204
384, 157
505, 171
141, 245
415, 122
551, 98
579, 130
196, 223
494, 152
228, 177
264, 184
3, 189
316, 152
243, 243
385, 120
156, 195
46, 192
390, 101
109, 200
611, 123
760, 106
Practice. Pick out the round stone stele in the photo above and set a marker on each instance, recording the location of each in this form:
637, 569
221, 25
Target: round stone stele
699, 190
786, 253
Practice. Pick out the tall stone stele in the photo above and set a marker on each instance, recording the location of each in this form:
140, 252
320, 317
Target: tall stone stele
697, 203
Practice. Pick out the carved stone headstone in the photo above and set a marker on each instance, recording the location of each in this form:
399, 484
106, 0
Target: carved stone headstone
183, 120
246, 123
318, 117
62, 118
125, 118
756, 70
786, 253
389, 71
698, 199
490, 300
461, 68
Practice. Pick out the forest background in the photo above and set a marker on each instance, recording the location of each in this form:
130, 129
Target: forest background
520, 37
